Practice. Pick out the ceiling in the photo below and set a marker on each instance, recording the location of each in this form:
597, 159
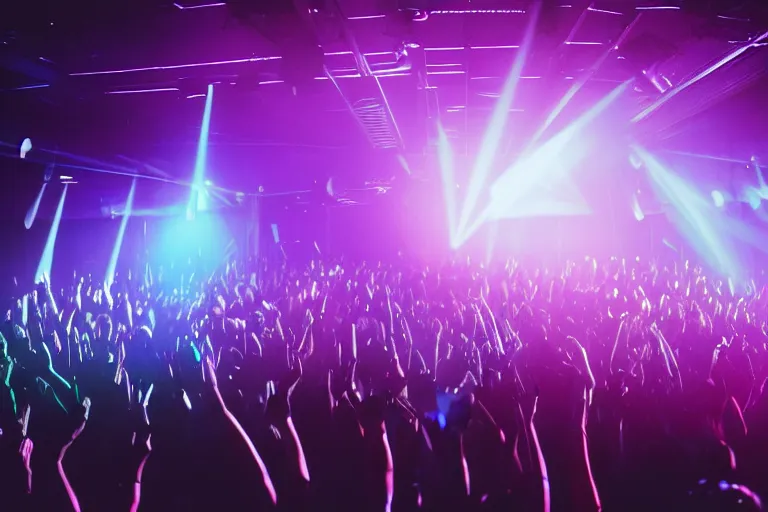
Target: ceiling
120, 85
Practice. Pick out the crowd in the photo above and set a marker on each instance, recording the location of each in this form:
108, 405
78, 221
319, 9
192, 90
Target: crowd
615, 385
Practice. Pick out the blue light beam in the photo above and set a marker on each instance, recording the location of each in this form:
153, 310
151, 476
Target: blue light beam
197, 199
46, 260
112, 265
32, 212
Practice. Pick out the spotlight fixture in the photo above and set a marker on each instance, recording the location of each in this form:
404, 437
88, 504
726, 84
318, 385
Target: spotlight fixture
26, 147
48, 173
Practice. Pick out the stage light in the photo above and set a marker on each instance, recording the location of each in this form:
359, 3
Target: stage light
65, 178
718, 198
26, 147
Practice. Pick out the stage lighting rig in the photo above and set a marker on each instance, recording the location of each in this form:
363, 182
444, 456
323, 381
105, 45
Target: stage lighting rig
645, 54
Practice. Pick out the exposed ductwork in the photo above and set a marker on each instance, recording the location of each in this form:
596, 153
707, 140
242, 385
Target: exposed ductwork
373, 116
372, 109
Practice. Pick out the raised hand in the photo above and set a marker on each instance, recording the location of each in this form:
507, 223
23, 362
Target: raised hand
253, 486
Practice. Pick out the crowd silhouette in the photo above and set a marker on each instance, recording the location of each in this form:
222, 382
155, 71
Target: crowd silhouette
619, 385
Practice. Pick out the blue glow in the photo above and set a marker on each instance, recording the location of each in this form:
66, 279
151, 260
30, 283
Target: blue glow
695, 216
196, 199
203, 240
203, 199
753, 197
